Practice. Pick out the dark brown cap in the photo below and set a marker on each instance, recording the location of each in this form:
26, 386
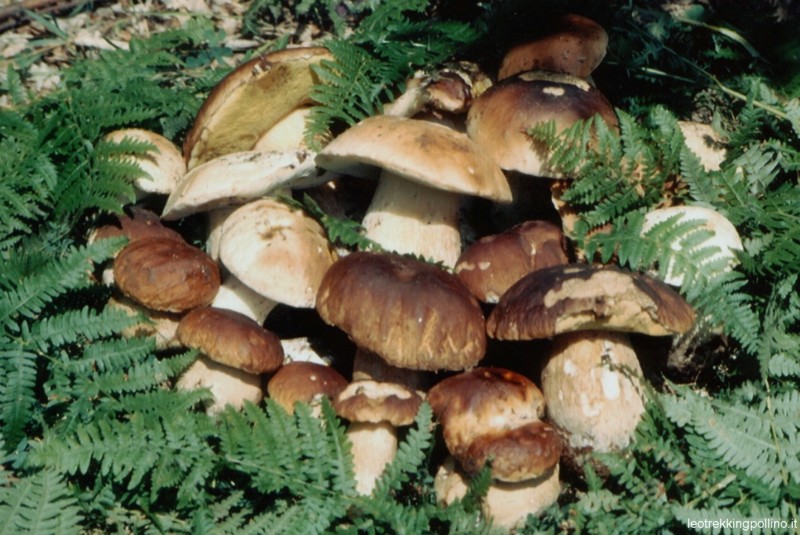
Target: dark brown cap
474, 402
573, 45
413, 314
499, 119
374, 402
304, 382
166, 274
250, 100
517, 454
577, 297
141, 223
492, 264
231, 338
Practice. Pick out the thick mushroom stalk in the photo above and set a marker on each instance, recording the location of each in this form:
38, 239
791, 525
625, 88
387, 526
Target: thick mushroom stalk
374, 410
410, 218
593, 389
374, 445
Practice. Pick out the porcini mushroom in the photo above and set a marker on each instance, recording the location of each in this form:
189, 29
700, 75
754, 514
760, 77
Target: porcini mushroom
166, 274
493, 414
374, 410
234, 341
492, 264
276, 251
604, 401
304, 382
413, 314
573, 45
425, 167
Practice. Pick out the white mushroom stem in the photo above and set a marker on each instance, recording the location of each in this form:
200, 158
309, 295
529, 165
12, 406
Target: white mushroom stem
374, 445
592, 386
234, 295
229, 386
507, 504
409, 218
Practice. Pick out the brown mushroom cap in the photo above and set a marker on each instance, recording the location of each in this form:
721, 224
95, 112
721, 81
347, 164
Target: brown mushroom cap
304, 382
414, 315
250, 100
166, 274
142, 223
483, 399
516, 454
573, 45
499, 119
231, 338
420, 151
374, 402
578, 297
492, 264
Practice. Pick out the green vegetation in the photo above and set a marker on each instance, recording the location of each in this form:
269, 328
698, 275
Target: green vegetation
94, 440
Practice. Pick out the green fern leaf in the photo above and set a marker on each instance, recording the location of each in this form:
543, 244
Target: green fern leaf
42, 503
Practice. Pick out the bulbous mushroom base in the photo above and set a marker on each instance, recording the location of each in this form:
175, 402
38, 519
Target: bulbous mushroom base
592, 387
507, 504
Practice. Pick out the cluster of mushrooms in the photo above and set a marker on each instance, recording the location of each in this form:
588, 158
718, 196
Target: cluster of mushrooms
419, 329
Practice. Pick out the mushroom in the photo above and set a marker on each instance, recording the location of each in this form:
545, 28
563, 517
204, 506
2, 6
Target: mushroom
492, 264
604, 401
166, 274
499, 119
722, 235
241, 350
424, 167
277, 252
414, 315
163, 166
239, 177
572, 45
374, 410
250, 100
305, 382
493, 415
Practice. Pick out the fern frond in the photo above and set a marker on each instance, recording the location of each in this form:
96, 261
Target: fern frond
83, 324
41, 503
18, 397
69, 272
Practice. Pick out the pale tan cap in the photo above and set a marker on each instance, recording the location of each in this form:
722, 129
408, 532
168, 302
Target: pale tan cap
276, 250
417, 150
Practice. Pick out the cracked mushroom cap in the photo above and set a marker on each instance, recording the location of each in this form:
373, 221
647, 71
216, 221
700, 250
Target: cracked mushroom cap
277, 251
250, 100
231, 338
500, 118
517, 454
411, 313
420, 151
573, 45
492, 264
576, 297
304, 382
481, 400
375, 402
166, 274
